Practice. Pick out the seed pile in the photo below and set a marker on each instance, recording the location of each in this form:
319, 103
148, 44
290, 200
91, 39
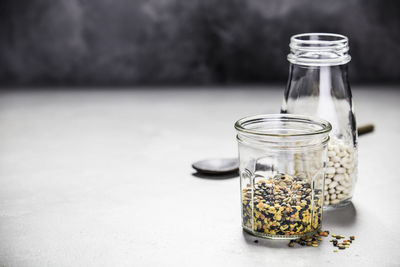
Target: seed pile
309, 240
282, 206
339, 172
315, 240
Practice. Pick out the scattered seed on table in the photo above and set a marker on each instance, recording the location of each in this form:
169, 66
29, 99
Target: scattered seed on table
352, 237
315, 241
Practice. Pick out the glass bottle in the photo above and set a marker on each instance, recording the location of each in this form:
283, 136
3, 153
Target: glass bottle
279, 201
318, 85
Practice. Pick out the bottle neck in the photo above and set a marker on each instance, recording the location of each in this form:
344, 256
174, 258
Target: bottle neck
318, 91
318, 65
315, 80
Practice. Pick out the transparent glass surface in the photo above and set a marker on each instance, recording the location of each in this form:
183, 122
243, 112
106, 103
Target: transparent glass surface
282, 160
321, 89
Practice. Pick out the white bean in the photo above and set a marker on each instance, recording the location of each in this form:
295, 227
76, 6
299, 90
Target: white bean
333, 184
341, 196
331, 153
340, 188
348, 166
344, 161
338, 177
340, 170
330, 170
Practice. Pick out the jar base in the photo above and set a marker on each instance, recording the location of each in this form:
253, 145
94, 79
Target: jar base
341, 204
279, 237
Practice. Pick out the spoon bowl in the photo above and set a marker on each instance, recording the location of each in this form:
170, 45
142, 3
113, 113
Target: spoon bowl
217, 166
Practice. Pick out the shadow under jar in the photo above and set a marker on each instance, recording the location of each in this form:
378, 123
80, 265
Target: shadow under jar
279, 201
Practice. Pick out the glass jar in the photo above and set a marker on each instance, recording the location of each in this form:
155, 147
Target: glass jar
318, 86
279, 201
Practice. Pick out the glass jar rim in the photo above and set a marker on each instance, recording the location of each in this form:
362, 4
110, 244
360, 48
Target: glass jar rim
340, 38
324, 126
319, 49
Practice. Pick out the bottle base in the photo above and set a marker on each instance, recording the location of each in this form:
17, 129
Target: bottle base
341, 204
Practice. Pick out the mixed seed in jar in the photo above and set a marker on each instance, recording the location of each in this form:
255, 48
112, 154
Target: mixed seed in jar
283, 206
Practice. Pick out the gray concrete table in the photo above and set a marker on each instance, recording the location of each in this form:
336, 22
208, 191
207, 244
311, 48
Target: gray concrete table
104, 178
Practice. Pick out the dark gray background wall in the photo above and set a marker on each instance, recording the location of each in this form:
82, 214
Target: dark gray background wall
129, 42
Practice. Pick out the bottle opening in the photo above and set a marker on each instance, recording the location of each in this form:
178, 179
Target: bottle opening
319, 49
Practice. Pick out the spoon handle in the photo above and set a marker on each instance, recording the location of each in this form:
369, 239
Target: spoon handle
365, 129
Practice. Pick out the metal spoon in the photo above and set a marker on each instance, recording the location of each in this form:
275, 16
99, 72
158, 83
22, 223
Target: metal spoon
220, 166
216, 166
